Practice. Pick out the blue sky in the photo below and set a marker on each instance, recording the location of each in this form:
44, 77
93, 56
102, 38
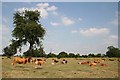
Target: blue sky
82, 27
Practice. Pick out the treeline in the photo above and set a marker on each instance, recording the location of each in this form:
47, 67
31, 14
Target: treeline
112, 52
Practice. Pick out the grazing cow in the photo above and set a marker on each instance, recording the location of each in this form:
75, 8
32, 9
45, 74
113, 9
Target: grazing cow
21, 60
102, 64
93, 64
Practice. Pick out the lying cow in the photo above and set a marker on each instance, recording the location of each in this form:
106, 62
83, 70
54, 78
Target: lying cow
102, 64
93, 64
84, 62
96, 61
64, 61
55, 60
21, 60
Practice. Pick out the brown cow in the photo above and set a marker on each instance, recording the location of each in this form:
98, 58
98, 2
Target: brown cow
39, 62
34, 60
96, 61
102, 64
84, 62
21, 60
93, 64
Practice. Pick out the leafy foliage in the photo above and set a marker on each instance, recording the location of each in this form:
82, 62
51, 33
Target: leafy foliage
51, 55
9, 50
62, 55
71, 55
113, 52
35, 53
28, 28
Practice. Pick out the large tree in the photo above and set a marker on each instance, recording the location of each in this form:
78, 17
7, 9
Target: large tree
27, 29
113, 52
62, 55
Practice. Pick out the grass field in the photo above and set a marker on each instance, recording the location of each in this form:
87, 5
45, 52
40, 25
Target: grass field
70, 70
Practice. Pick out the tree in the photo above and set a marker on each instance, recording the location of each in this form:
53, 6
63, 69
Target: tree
113, 52
62, 55
98, 55
103, 55
36, 53
77, 55
51, 55
28, 29
91, 55
71, 55
85, 56
9, 50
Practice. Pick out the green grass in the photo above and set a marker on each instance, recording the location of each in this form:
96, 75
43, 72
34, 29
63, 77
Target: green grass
70, 70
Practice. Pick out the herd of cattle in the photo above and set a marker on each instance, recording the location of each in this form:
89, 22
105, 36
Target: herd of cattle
94, 62
21, 60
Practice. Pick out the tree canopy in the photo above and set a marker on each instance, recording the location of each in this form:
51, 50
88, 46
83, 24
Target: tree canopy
113, 52
27, 29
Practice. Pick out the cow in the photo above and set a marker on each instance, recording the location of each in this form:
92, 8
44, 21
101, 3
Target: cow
93, 64
118, 60
103, 59
55, 61
21, 60
84, 62
96, 61
39, 62
111, 59
102, 64
64, 61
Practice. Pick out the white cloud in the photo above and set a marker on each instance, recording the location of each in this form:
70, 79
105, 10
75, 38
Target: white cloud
54, 13
80, 19
43, 12
42, 5
94, 31
74, 31
54, 23
66, 21
52, 8
44, 9
111, 40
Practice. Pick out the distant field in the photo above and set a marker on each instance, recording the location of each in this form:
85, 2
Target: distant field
70, 70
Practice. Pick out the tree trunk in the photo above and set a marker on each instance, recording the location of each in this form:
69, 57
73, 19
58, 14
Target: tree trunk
31, 49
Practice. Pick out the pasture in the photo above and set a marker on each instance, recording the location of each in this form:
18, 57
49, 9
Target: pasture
70, 70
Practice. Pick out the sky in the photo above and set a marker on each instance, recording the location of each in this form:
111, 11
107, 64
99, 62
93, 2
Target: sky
73, 27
